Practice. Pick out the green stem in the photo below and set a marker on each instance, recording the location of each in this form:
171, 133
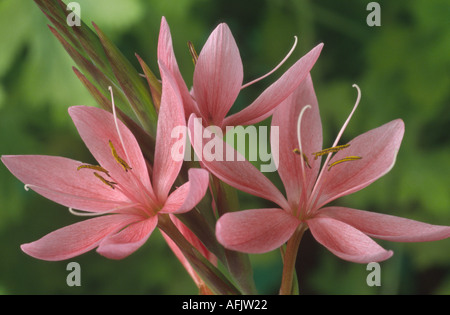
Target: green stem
214, 279
290, 257
238, 263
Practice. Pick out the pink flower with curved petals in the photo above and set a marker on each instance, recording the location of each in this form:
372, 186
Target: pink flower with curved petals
218, 77
119, 191
309, 187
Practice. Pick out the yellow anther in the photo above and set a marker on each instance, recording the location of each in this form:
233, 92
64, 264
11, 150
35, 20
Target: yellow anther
107, 182
118, 159
93, 167
330, 150
346, 159
193, 52
305, 158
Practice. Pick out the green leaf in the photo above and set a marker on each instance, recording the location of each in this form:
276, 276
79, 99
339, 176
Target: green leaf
153, 83
132, 84
146, 142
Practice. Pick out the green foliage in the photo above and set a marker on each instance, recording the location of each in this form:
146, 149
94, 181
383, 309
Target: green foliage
402, 68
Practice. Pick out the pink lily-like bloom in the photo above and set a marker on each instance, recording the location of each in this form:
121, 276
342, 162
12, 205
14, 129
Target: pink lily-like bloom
120, 191
309, 187
218, 78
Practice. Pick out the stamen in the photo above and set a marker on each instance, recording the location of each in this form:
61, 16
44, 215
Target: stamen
27, 187
107, 182
274, 69
118, 159
193, 52
305, 158
299, 139
117, 124
346, 159
93, 167
330, 150
83, 213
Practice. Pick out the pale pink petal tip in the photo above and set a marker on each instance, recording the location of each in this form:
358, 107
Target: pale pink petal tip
255, 231
76, 239
388, 227
127, 241
346, 242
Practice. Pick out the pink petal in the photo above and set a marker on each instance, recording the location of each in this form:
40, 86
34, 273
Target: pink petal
378, 149
78, 238
166, 56
171, 117
187, 196
235, 170
346, 242
97, 127
255, 231
266, 103
218, 75
128, 240
57, 179
285, 118
387, 227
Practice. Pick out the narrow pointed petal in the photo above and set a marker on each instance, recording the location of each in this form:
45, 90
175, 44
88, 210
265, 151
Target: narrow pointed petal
285, 118
378, 150
166, 56
266, 103
76, 239
231, 167
346, 242
187, 196
97, 127
128, 240
57, 179
218, 75
387, 227
255, 231
171, 119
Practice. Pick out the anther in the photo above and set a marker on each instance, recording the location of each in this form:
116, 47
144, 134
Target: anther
305, 158
107, 182
330, 150
346, 159
193, 52
118, 159
93, 167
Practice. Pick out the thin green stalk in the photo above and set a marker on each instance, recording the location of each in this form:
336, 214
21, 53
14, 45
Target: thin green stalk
213, 277
238, 263
290, 257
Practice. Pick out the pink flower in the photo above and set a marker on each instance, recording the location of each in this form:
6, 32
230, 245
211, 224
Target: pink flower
218, 77
118, 191
309, 187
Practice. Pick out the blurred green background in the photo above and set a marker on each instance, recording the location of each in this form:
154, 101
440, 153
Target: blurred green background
402, 67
